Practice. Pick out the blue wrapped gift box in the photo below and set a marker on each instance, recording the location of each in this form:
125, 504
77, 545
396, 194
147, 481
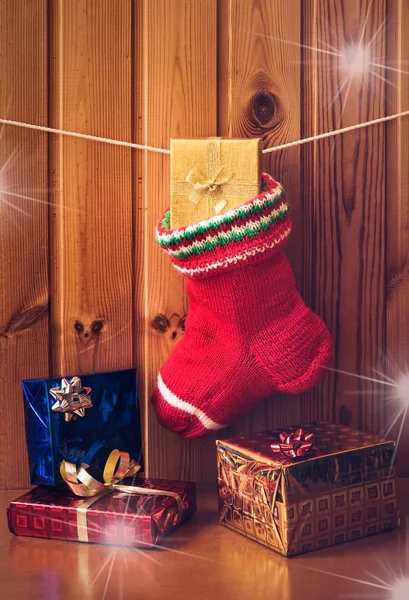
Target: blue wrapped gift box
112, 422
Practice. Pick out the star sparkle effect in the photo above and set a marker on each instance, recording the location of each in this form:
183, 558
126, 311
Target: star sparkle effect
72, 398
10, 195
355, 60
121, 563
397, 588
118, 565
12, 199
385, 581
396, 394
400, 590
118, 559
388, 583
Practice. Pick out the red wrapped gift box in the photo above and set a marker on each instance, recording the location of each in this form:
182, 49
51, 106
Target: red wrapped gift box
114, 518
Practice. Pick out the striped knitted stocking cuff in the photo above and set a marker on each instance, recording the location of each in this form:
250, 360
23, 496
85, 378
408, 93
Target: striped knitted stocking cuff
247, 234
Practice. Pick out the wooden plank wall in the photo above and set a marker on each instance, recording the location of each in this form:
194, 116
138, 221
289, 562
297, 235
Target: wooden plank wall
91, 228
397, 211
260, 97
147, 70
176, 83
24, 250
346, 198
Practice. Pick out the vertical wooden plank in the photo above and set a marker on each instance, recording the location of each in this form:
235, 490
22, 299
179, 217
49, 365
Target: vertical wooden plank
344, 201
397, 211
91, 230
176, 46
259, 75
24, 229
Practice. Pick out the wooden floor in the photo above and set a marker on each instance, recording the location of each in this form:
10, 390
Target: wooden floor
201, 561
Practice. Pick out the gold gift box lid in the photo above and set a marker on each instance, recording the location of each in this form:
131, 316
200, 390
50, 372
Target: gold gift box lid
329, 439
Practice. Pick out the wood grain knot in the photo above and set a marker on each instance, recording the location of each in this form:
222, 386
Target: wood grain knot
263, 108
173, 326
25, 319
97, 327
398, 283
160, 323
87, 332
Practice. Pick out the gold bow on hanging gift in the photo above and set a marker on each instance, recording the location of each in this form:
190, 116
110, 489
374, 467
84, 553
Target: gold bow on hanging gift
210, 176
211, 188
117, 467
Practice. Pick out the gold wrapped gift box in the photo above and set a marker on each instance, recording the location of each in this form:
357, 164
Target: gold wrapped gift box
210, 176
342, 489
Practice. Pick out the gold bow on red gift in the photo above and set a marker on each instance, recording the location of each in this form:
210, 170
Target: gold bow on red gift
294, 445
117, 467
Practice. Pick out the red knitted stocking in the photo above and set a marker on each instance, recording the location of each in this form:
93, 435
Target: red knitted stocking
248, 331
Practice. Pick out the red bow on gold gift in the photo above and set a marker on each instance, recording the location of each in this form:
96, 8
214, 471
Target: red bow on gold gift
294, 445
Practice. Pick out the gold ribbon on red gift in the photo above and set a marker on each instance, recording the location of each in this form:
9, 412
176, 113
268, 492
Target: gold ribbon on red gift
294, 445
117, 467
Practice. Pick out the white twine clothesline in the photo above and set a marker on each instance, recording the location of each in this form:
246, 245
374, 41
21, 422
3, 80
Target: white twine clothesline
114, 142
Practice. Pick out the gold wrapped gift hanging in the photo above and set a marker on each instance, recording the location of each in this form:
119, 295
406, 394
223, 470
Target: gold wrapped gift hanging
211, 176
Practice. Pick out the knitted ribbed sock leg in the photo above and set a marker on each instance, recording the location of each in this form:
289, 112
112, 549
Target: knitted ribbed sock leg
248, 332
